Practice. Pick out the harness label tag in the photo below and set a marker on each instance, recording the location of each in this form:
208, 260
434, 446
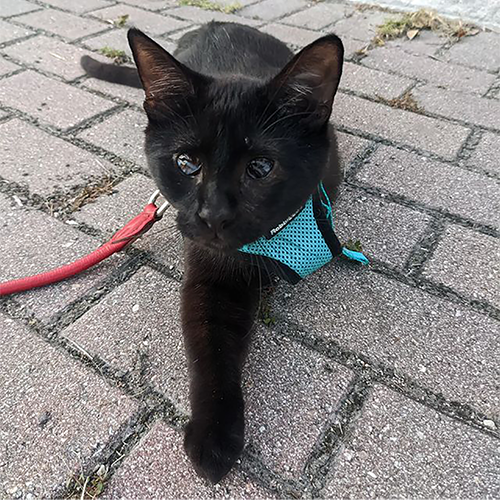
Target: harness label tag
281, 225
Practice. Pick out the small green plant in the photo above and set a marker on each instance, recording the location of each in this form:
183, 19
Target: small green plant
121, 21
209, 5
118, 56
355, 246
393, 28
266, 315
90, 193
406, 102
88, 487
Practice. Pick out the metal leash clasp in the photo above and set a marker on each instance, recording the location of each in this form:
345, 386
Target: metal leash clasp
162, 208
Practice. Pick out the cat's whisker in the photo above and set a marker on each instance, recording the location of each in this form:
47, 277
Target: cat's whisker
285, 118
192, 115
264, 263
278, 90
277, 139
286, 103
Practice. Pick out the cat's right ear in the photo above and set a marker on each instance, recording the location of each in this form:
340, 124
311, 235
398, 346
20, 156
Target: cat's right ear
309, 82
164, 79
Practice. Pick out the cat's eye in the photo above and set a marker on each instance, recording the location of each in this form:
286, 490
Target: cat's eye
259, 168
188, 165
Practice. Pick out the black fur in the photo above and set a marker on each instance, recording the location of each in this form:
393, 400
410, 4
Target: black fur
228, 95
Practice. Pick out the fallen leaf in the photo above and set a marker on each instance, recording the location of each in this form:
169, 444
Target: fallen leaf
411, 34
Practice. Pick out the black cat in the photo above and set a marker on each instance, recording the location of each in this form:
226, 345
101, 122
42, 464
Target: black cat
238, 140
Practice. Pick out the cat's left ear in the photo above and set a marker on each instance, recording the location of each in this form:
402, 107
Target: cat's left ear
309, 82
165, 80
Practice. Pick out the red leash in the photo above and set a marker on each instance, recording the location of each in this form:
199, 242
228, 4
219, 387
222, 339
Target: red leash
134, 229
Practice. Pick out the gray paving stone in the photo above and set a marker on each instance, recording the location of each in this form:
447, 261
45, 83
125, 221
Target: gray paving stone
150, 340
486, 156
9, 32
460, 106
350, 146
402, 449
152, 4
468, 262
272, 9
319, 16
115, 39
482, 51
426, 43
127, 199
360, 26
179, 34
49, 101
51, 55
45, 164
33, 242
15, 7
436, 72
352, 47
136, 329
165, 472
151, 23
438, 136
437, 185
242, 3
290, 393
79, 7
122, 134
441, 345
110, 213
386, 230
7, 67
291, 35
55, 414
62, 23
372, 82
129, 94
201, 16
169, 43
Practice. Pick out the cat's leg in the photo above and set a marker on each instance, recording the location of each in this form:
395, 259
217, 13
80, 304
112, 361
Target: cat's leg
219, 301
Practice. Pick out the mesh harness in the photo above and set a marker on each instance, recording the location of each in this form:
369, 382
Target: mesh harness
302, 243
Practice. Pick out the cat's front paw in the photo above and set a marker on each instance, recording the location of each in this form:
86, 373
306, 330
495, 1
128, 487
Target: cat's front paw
214, 447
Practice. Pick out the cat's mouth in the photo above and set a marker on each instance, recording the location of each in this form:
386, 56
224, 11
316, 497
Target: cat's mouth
211, 241
217, 243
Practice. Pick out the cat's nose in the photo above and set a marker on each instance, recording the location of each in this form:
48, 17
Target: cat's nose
216, 220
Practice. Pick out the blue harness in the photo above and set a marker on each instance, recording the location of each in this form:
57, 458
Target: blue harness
303, 243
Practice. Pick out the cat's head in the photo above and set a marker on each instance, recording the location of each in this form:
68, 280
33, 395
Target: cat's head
236, 156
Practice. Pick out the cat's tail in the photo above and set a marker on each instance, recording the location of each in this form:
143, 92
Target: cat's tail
124, 75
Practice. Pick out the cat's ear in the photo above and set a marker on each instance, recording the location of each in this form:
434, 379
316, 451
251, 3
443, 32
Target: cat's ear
163, 78
309, 82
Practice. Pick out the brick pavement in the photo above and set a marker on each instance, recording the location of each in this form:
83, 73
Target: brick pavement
372, 382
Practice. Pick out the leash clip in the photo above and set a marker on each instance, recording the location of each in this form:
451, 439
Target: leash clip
162, 208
